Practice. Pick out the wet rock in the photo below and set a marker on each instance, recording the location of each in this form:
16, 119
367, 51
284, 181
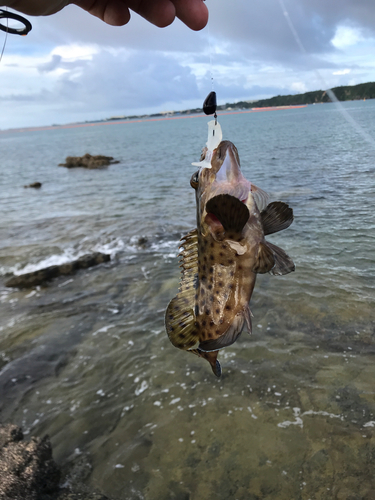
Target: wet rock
142, 242
88, 161
39, 277
27, 469
36, 185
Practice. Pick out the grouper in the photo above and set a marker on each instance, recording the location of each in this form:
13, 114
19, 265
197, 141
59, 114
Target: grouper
221, 258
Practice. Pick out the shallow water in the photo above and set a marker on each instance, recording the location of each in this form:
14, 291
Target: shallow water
86, 359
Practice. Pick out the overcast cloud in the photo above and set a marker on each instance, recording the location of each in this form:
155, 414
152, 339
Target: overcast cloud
72, 67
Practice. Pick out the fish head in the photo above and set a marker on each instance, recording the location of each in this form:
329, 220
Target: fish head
223, 178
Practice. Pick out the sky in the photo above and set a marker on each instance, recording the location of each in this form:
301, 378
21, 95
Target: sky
72, 67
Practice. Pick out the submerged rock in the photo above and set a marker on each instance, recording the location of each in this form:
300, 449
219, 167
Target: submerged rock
39, 277
27, 469
88, 161
142, 242
36, 185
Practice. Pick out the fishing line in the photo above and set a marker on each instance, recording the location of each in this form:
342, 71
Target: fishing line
210, 103
5, 40
210, 51
367, 137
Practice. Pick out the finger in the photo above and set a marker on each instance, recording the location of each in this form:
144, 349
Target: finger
113, 12
161, 13
193, 13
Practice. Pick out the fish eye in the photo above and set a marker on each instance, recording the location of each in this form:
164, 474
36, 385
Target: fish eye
195, 180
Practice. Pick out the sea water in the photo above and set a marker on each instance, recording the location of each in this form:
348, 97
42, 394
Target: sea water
86, 358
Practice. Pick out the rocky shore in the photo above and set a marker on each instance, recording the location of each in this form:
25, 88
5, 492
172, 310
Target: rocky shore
29, 280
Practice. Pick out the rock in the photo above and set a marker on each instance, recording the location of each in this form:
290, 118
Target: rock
36, 185
142, 242
27, 469
88, 161
39, 277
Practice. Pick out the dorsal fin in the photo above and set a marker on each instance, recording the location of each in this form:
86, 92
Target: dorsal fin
231, 212
283, 263
276, 217
180, 316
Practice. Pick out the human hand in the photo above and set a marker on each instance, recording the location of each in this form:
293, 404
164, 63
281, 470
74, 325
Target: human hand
161, 13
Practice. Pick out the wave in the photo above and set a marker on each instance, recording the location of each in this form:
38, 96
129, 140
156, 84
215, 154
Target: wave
161, 246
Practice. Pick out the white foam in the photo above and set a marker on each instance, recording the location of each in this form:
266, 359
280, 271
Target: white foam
174, 401
111, 248
69, 254
298, 420
104, 329
141, 388
53, 260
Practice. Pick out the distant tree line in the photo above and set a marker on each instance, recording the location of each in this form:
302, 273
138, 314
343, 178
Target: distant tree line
345, 93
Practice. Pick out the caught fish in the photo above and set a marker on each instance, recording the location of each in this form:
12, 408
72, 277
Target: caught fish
221, 258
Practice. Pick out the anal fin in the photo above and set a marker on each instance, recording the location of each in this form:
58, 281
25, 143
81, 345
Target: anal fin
283, 263
247, 316
265, 259
227, 338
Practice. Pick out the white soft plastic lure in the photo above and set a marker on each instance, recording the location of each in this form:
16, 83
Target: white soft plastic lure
215, 136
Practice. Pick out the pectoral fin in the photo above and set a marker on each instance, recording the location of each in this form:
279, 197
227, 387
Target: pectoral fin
283, 263
231, 212
276, 217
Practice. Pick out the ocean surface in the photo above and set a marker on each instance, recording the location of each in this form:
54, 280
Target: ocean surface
86, 360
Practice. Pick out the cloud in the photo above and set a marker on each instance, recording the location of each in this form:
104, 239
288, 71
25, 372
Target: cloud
57, 62
342, 72
74, 67
112, 81
346, 36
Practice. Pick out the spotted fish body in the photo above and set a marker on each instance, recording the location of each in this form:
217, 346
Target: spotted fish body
221, 258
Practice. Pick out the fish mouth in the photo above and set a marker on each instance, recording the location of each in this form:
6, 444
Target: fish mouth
228, 181
229, 178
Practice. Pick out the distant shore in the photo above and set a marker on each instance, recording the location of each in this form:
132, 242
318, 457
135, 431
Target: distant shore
147, 118
362, 91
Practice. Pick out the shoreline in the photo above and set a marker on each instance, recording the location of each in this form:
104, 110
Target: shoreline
146, 118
